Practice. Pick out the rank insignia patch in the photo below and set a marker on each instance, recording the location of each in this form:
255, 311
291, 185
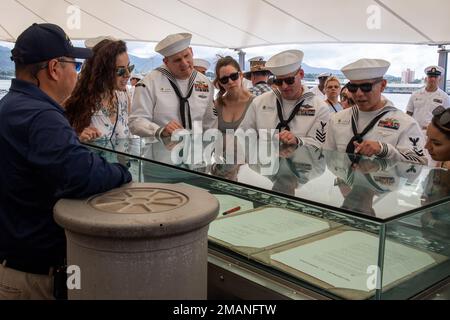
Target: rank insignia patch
437, 100
389, 123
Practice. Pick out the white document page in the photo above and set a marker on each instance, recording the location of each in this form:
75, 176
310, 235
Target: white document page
264, 227
349, 259
228, 202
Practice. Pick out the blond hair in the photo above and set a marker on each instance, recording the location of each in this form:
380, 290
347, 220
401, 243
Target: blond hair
332, 78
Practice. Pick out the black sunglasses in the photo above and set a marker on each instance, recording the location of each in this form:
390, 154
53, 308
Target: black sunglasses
365, 87
443, 116
77, 64
279, 82
122, 71
233, 76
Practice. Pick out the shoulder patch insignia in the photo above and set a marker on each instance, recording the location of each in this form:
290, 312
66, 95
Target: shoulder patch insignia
389, 123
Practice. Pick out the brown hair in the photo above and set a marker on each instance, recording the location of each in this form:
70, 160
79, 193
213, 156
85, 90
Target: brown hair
351, 102
440, 127
223, 62
96, 81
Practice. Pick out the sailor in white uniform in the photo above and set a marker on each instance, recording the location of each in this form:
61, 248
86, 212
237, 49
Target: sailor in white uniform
298, 115
319, 90
173, 96
423, 102
374, 127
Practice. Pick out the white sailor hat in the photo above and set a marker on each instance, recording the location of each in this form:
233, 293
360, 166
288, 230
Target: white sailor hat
202, 63
173, 44
92, 42
365, 69
434, 71
324, 75
285, 62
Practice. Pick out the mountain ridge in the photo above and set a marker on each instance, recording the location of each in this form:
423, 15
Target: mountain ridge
144, 65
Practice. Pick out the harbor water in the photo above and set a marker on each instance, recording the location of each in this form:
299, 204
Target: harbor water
400, 100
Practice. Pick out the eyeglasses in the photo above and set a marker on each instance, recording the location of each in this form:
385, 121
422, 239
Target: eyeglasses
279, 82
77, 64
443, 115
122, 71
365, 87
233, 76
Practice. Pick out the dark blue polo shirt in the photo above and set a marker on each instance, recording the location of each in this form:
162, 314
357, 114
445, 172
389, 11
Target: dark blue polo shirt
41, 161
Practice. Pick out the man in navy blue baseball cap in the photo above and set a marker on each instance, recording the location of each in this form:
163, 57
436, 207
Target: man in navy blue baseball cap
42, 42
42, 161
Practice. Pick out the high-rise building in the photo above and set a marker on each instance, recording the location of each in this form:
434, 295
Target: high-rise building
408, 76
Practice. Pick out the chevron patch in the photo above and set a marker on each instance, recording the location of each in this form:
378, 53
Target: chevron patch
320, 136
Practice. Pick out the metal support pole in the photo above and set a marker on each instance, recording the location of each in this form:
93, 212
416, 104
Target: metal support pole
241, 55
381, 255
443, 62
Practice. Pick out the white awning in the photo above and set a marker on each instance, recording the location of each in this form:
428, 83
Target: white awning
238, 23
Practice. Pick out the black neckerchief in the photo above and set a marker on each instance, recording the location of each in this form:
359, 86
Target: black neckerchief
285, 123
184, 102
358, 137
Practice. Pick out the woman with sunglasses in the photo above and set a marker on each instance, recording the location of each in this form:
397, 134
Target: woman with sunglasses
332, 89
233, 98
438, 133
346, 98
99, 105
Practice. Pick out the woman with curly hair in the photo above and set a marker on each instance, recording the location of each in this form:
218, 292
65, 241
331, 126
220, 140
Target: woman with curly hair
99, 105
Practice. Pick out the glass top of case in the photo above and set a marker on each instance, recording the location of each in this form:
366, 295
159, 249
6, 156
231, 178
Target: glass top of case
376, 189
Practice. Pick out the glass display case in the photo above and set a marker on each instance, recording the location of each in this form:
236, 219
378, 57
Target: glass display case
308, 223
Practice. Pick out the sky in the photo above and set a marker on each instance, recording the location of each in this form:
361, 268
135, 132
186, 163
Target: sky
333, 56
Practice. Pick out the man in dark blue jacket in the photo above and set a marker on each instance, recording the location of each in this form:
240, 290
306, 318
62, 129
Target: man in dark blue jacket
41, 162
